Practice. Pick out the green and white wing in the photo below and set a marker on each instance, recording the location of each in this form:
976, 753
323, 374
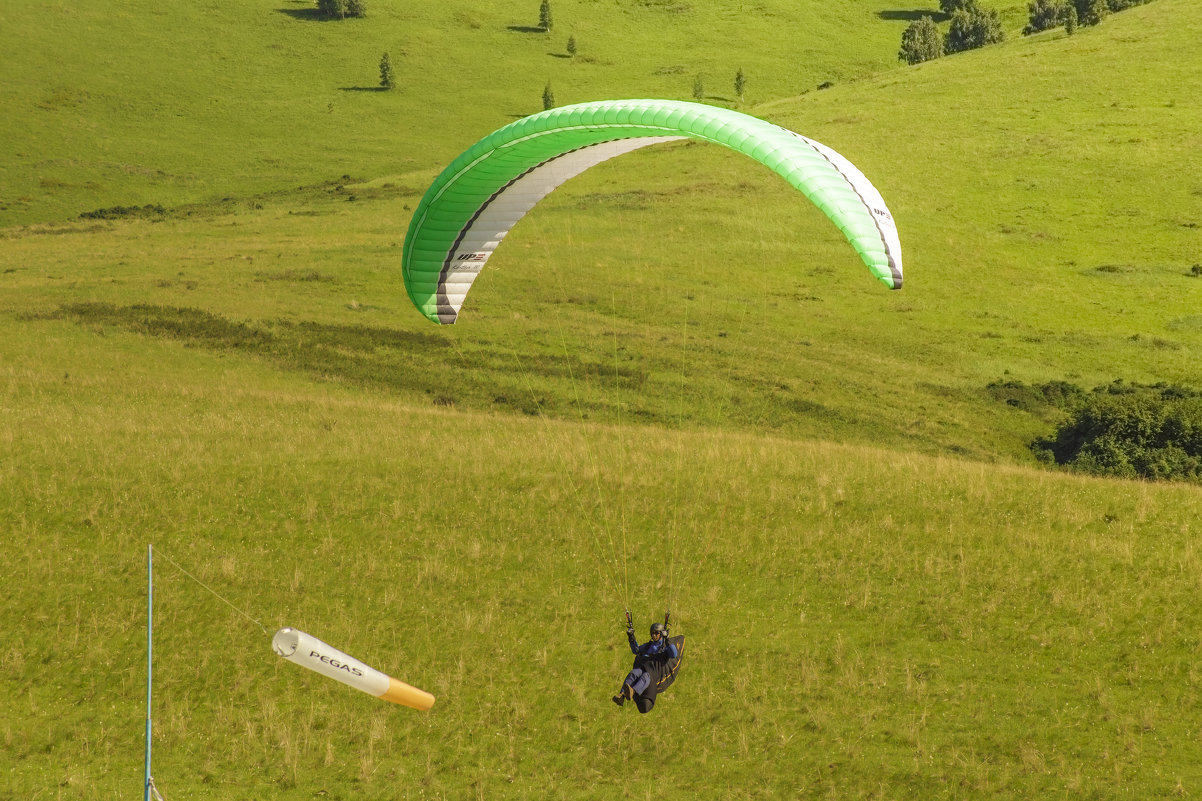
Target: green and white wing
481, 195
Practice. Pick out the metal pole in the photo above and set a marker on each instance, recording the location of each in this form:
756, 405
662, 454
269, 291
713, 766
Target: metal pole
149, 659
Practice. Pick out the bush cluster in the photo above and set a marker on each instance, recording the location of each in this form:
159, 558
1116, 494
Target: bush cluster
971, 26
1046, 14
1126, 430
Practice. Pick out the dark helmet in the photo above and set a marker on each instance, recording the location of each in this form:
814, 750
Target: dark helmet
658, 628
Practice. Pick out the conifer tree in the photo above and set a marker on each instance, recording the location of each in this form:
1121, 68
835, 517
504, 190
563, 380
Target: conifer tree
387, 75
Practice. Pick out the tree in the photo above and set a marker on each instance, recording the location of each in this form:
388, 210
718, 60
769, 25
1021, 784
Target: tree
1091, 12
571, 46
544, 16
950, 7
698, 88
921, 42
387, 76
740, 84
548, 97
1043, 15
332, 9
974, 28
356, 8
1070, 20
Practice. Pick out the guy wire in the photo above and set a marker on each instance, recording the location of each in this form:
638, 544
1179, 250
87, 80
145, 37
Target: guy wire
216, 594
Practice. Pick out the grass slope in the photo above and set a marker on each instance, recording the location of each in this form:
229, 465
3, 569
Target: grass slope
176, 102
863, 623
241, 383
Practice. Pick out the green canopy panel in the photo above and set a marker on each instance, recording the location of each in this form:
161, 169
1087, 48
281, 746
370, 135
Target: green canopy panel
481, 195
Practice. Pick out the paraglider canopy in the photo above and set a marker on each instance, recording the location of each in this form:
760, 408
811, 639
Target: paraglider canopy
482, 194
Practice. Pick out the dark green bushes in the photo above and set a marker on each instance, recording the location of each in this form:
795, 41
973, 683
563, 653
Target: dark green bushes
1031, 397
973, 27
1046, 14
1043, 15
1118, 429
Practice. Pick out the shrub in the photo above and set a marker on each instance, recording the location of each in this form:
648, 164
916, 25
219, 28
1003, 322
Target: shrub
1034, 397
548, 97
1131, 431
1070, 20
1091, 12
341, 9
1043, 15
950, 7
921, 42
973, 28
332, 9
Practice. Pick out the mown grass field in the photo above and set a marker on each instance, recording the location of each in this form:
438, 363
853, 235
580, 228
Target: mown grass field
674, 385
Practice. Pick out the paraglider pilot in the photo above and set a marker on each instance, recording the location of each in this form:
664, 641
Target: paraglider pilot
651, 663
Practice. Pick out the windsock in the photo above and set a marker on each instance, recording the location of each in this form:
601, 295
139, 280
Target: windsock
310, 652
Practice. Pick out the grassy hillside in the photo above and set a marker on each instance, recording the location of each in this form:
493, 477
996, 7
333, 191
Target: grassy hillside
883, 598
862, 622
1049, 234
151, 102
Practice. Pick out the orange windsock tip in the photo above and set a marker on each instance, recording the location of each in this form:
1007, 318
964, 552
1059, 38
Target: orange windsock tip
399, 692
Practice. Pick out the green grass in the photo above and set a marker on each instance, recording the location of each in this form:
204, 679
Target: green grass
884, 597
962, 631
207, 100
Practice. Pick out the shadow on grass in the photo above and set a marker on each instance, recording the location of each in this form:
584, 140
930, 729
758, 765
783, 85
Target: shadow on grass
913, 16
526, 29
363, 88
482, 375
304, 14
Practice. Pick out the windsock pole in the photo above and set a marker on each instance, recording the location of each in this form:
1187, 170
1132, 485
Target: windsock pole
149, 659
